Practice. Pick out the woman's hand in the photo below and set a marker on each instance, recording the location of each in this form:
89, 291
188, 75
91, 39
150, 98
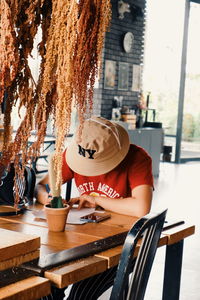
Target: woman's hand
83, 201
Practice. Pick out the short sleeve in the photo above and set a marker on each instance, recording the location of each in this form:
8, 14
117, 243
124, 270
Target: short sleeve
140, 169
67, 173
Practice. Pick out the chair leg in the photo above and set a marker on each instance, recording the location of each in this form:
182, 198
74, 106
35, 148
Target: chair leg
172, 275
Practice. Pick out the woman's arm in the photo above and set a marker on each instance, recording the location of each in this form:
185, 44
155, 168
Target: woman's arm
138, 204
41, 192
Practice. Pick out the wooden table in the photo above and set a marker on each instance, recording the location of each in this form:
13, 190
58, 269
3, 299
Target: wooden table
76, 235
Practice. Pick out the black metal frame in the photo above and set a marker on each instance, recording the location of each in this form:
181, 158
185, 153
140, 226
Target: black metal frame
47, 144
195, 1
178, 158
148, 230
172, 273
68, 190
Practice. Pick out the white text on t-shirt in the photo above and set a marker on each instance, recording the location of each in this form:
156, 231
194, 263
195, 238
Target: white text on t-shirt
102, 187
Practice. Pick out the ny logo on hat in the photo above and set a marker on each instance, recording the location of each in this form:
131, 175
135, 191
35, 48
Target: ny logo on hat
86, 152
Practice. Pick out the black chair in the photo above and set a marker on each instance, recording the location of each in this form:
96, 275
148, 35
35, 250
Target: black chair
26, 188
148, 230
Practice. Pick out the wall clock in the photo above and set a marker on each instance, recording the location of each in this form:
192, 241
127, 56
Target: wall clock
128, 42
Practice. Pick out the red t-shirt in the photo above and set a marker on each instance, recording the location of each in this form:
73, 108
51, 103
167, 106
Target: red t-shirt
134, 170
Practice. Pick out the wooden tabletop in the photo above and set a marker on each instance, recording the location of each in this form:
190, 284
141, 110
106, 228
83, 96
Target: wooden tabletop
76, 235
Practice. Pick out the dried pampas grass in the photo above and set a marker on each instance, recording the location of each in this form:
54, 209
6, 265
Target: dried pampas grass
72, 41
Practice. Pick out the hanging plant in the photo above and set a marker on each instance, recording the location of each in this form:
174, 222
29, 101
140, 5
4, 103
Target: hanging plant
72, 39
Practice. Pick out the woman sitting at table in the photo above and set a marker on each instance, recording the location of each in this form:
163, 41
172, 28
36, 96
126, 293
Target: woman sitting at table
108, 172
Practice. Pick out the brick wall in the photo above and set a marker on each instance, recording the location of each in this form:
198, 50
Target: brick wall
113, 50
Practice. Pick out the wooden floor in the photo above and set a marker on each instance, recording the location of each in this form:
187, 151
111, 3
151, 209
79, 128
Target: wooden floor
178, 189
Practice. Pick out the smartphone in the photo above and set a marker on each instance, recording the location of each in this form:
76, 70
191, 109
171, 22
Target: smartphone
96, 217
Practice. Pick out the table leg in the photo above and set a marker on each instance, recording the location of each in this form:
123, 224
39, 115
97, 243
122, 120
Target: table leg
172, 274
57, 294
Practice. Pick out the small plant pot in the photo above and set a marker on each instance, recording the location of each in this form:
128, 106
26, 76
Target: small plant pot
56, 217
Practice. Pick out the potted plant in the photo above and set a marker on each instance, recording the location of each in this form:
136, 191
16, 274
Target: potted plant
56, 217
56, 211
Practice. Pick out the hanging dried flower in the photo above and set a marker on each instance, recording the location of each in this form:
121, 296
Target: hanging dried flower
72, 39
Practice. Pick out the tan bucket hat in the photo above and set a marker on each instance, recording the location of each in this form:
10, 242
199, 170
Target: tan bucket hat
100, 148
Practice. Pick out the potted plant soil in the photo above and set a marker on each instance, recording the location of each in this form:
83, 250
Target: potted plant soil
56, 211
